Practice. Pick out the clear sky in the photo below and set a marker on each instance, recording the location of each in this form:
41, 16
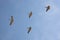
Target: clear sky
45, 25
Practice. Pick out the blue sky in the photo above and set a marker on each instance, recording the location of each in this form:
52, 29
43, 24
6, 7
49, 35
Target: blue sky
45, 25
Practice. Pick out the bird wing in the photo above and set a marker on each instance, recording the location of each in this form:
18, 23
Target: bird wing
47, 9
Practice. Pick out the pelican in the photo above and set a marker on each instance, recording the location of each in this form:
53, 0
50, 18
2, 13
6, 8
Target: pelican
47, 8
30, 14
29, 29
11, 20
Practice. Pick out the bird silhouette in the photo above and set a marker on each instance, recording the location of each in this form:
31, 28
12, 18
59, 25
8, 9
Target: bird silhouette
30, 14
29, 29
47, 8
11, 20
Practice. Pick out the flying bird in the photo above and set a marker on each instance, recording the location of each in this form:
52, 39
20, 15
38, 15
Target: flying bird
47, 8
30, 14
11, 20
29, 29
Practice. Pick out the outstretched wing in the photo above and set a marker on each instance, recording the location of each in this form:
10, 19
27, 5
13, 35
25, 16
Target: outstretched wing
11, 20
47, 9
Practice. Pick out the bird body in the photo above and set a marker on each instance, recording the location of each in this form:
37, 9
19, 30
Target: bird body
11, 20
47, 8
29, 29
30, 14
